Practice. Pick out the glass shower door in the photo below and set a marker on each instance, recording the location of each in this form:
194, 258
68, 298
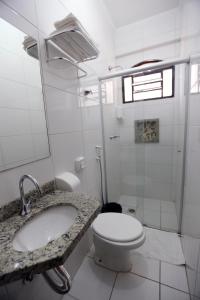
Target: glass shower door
146, 177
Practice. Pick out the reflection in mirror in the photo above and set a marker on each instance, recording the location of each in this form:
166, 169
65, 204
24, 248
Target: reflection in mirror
23, 132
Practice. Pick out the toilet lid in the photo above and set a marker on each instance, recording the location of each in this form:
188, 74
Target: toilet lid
117, 227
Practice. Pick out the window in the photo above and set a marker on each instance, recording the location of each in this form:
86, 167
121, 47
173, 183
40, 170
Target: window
148, 85
195, 79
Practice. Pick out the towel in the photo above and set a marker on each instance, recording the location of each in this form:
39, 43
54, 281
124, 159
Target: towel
71, 23
30, 46
79, 45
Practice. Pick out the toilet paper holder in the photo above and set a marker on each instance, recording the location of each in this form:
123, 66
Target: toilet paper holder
79, 164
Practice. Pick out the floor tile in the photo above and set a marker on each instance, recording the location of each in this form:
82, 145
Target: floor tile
168, 293
92, 282
68, 297
129, 286
162, 245
145, 267
174, 276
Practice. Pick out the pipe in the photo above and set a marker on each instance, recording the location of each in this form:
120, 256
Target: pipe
65, 280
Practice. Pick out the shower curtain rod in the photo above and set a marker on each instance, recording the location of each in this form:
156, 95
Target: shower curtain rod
153, 66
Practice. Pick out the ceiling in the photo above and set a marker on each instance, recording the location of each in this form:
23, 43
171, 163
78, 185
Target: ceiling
124, 12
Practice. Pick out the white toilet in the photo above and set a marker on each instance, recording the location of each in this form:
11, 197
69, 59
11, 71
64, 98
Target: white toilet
114, 235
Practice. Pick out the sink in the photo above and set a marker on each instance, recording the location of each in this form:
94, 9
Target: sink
44, 227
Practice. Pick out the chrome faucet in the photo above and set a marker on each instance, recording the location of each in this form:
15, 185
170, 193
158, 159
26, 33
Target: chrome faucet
26, 205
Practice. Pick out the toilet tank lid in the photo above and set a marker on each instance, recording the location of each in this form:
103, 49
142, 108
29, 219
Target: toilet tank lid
117, 227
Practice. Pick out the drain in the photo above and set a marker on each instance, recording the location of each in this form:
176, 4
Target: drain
131, 210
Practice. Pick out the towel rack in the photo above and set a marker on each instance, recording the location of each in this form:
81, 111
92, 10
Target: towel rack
74, 46
65, 57
71, 62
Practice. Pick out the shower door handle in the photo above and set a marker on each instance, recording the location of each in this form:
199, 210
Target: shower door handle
112, 137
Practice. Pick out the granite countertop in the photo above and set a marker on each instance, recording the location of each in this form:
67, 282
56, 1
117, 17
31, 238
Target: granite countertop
14, 264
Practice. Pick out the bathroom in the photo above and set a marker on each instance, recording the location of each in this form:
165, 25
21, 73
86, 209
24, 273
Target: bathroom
73, 119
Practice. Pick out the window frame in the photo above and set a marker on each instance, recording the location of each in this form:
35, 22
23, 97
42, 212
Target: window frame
149, 73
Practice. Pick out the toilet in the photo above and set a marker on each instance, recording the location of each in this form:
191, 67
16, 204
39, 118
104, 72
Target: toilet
114, 235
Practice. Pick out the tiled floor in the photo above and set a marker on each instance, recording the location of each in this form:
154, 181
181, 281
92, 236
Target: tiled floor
152, 212
149, 279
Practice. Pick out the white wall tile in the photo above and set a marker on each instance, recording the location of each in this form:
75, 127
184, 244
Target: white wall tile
65, 148
11, 66
64, 114
23, 148
27, 9
91, 118
35, 98
14, 122
47, 16
16, 99
40, 145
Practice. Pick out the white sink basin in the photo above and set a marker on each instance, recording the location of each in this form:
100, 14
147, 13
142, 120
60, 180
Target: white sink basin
45, 227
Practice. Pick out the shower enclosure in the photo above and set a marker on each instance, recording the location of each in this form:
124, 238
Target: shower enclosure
146, 176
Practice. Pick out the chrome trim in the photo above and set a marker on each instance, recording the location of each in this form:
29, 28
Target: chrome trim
26, 205
153, 66
62, 287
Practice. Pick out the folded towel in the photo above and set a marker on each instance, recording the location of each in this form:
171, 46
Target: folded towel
28, 42
71, 23
30, 46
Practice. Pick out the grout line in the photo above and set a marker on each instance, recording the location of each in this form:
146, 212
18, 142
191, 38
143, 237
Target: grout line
113, 286
175, 288
68, 91
160, 280
73, 297
160, 215
142, 276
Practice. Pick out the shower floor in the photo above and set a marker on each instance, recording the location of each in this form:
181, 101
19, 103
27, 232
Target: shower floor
151, 212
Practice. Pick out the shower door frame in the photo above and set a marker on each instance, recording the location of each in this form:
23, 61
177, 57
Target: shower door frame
154, 66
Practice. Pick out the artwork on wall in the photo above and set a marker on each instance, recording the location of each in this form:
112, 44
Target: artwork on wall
147, 131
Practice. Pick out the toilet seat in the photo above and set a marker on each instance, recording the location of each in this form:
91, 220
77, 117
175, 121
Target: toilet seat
118, 229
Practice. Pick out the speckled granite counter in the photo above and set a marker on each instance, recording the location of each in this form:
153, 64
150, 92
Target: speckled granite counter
15, 265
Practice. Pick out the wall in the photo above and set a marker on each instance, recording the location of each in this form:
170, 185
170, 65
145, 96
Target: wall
73, 129
190, 45
157, 37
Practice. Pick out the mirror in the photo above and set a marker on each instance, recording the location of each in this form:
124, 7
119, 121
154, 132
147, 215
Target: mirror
23, 130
